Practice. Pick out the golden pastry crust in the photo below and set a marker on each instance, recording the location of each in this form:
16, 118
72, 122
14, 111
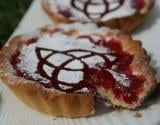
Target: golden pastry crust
33, 94
57, 103
126, 24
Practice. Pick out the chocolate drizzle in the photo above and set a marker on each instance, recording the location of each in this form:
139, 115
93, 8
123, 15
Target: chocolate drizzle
54, 78
96, 16
86, 70
99, 75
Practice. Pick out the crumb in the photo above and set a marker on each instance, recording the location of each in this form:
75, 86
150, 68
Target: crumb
54, 119
137, 115
119, 109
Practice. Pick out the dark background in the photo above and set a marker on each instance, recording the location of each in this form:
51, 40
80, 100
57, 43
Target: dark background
11, 12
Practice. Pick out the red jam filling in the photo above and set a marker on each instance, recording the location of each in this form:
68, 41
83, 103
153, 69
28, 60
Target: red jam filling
127, 87
137, 4
65, 13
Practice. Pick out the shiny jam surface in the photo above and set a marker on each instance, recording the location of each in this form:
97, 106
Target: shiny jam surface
138, 4
65, 13
115, 75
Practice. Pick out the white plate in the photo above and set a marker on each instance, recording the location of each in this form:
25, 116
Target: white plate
14, 112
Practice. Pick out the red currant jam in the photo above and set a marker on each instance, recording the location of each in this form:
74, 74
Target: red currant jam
31, 41
113, 74
138, 4
65, 13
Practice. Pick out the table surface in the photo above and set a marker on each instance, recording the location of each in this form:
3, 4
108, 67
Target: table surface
14, 112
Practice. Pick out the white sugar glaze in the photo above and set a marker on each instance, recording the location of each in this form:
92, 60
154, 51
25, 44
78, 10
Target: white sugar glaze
125, 10
61, 42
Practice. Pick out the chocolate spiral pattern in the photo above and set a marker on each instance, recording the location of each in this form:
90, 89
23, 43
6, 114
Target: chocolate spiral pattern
98, 15
115, 73
86, 69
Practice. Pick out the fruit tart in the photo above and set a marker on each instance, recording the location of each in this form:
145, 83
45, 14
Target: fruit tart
120, 14
62, 70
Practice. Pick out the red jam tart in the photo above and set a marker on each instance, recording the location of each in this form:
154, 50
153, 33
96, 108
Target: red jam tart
84, 60
106, 12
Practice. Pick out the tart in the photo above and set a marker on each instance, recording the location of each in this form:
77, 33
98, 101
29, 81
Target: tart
118, 14
61, 70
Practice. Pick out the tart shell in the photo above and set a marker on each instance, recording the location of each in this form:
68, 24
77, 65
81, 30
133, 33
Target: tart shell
126, 24
57, 103
31, 93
